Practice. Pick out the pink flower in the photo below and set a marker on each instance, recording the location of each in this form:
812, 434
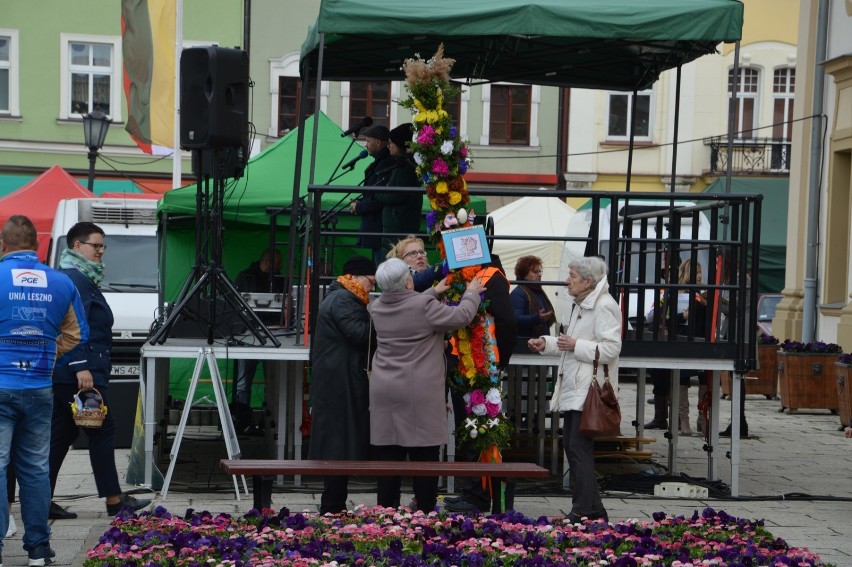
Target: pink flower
463, 151
493, 410
440, 167
477, 397
426, 135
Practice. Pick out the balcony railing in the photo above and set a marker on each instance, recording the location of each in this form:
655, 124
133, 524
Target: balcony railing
757, 155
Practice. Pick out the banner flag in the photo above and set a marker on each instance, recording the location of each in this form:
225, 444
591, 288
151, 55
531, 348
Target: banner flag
148, 47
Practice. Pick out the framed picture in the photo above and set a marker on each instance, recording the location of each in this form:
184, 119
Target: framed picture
466, 247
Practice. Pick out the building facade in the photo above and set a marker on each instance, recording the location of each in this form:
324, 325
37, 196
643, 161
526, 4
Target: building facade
821, 182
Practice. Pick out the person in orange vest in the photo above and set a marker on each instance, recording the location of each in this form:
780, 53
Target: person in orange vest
473, 496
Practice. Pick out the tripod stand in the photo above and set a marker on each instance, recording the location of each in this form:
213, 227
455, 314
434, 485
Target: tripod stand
207, 285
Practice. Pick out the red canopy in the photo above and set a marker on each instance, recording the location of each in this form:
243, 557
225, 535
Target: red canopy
38, 199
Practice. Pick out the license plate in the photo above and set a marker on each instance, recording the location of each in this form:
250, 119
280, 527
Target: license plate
125, 370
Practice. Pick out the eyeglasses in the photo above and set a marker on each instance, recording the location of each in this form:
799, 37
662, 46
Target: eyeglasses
97, 247
414, 253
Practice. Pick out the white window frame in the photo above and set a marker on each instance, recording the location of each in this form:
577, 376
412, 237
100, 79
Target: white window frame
786, 96
116, 88
14, 67
287, 66
535, 103
741, 97
649, 137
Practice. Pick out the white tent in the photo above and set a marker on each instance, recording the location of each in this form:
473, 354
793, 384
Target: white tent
534, 216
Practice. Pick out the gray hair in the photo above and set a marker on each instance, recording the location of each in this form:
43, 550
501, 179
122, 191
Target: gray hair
392, 274
589, 268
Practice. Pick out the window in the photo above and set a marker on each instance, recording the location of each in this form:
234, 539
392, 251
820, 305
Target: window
453, 106
783, 89
620, 114
745, 111
509, 121
289, 100
371, 99
91, 76
9, 73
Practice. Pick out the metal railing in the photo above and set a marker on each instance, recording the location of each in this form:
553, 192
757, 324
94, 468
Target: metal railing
749, 156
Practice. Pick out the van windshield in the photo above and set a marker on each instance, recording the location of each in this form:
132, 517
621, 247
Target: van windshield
130, 263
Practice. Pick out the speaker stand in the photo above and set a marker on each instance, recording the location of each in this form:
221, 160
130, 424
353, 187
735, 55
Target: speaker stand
208, 275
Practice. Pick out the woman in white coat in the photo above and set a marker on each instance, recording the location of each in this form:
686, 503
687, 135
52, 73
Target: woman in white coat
592, 325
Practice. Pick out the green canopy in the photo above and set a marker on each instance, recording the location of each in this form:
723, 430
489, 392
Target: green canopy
602, 44
773, 224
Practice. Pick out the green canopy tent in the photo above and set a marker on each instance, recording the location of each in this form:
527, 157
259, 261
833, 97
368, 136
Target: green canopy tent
266, 184
773, 224
599, 44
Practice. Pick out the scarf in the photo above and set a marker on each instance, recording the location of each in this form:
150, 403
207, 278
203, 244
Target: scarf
349, 283
92, 270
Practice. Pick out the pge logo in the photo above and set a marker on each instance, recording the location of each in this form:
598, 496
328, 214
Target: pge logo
29, 278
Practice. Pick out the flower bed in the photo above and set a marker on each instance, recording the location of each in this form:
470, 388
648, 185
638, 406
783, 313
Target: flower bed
380, 536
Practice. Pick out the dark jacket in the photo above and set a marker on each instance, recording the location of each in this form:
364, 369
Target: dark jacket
527, 301
401, 211
500, 307
96, 351
377, 174
340, 396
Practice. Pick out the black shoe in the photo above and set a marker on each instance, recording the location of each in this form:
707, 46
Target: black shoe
464, 507
57, 512
727, 433
40, 555
454, 499
125, 501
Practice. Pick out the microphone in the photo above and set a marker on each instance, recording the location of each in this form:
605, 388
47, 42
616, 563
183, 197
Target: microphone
351, 163
366, 121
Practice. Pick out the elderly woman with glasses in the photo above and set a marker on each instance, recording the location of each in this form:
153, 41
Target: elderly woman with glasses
412, 251
408, 403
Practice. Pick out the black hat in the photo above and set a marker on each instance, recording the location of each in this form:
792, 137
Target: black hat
359, 266
402, 134
379, 132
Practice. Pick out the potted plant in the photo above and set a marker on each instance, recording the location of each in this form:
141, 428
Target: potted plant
806, 373
844, 389
764, 379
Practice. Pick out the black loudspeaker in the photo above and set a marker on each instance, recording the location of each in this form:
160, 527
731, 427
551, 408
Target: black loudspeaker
213, 98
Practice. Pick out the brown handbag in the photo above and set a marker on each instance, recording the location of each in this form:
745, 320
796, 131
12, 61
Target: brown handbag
601, 415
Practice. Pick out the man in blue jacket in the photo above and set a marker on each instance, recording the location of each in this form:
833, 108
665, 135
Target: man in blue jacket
41, 316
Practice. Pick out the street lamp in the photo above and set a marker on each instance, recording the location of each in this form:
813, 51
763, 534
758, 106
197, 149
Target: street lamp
95, 126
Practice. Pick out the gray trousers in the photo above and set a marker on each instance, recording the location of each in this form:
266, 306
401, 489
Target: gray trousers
585, 498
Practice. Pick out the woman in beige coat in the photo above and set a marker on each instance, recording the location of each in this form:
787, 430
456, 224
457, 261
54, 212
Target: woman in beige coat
592, 326
408, 403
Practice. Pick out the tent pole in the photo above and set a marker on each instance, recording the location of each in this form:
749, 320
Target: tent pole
630, 145
562, 138
676, 126
314, 206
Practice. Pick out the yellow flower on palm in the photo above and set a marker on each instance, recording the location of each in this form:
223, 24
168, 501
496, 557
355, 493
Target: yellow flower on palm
431, 116
455, 198
441, 187
420, 117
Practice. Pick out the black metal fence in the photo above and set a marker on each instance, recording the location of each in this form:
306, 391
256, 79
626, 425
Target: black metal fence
759, 155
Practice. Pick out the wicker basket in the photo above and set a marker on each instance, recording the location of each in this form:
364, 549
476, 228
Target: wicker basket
89, 417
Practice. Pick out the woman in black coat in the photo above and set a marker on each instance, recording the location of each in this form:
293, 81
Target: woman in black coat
340, 395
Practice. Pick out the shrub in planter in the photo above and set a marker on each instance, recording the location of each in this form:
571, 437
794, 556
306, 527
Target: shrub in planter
806, 373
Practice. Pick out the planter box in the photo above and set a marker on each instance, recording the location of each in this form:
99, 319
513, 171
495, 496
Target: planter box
844, 393
764, 380
807, 381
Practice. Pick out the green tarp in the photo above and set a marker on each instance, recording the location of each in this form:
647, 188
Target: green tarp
601, 44
773, 224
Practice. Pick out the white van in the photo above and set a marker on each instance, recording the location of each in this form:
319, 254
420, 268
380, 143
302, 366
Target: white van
130, 274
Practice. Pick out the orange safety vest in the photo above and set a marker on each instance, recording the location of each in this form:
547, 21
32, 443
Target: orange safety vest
485, 274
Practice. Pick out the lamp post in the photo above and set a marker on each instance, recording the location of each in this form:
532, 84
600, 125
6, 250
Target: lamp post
95, 127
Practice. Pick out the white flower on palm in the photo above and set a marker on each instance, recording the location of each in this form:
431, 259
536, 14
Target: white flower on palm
447, 147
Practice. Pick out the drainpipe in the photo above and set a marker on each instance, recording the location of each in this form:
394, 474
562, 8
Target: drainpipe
811, 257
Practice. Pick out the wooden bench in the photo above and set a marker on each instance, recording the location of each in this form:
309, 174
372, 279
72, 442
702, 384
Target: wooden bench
624, 447
263, 471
